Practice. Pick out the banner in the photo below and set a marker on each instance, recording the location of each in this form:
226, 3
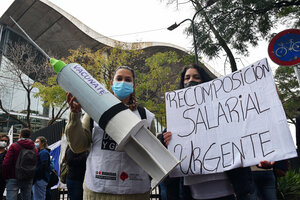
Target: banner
54, 153
63, 148
232, 121
11, 135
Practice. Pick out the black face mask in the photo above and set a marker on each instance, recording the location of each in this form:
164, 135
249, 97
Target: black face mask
191, 83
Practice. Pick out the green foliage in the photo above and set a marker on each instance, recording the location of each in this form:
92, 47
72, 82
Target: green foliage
290, 12
154, 75
288, 90
102, 63
239, 23
93, 62
51, 94
233, 25
158, 79
289, 186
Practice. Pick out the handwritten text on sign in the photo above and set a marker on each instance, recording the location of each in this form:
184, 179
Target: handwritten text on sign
232, 121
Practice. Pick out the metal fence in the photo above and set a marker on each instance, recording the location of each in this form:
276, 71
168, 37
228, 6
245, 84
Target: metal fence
63, 194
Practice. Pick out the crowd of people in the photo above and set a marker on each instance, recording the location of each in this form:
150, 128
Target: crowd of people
35, 164
96, 172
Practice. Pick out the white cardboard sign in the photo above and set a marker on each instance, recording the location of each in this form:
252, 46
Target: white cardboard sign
232, 121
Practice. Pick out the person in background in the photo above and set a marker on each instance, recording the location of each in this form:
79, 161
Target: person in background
42, 174
109, 174
13, 184
4, 142
75, 175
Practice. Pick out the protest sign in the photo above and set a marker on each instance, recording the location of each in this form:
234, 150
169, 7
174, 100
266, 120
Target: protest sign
232, 121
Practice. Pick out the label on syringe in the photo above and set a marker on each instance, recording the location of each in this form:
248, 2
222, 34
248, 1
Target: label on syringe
93, 83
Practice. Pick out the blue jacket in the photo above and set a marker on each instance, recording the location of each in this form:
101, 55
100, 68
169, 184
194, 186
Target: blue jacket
43, 166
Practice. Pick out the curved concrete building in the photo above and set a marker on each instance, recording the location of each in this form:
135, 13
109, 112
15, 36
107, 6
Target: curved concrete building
54, 30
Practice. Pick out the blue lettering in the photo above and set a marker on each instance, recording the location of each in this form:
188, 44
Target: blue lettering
93, 82
88, 79
84, 73
77, 67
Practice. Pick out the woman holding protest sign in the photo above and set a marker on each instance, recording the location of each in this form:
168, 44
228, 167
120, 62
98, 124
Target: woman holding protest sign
109, 174
234, 184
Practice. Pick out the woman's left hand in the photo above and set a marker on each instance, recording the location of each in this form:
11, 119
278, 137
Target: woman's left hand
167, 137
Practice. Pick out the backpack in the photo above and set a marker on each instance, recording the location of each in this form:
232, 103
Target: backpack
2, 155
26, 163
142, 112
53, 178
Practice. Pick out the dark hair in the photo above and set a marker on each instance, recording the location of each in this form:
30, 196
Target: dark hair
203, 74
128, 68
43, 141
25, 132
6, 136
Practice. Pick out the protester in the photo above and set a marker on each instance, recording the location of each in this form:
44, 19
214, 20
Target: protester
201, 186
75, 175
4, 142
234, 184
109, 174
15, 180
42, 174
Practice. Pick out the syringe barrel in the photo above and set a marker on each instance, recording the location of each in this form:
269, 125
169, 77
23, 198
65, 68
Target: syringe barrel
93, 96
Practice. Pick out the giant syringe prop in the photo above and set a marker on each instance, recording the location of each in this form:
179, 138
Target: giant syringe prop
119, 122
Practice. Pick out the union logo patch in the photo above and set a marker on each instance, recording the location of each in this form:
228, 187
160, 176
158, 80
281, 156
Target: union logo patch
123, 176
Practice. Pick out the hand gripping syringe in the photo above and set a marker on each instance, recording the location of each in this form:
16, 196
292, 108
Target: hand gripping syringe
120, 123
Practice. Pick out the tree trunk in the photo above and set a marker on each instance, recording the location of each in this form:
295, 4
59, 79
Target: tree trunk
28, 108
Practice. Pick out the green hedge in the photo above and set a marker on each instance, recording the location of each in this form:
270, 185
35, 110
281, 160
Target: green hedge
289, 186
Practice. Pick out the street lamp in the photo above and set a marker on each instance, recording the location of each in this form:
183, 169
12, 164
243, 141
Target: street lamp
175, 25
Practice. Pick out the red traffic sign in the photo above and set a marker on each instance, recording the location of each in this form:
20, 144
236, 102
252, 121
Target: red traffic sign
284, 48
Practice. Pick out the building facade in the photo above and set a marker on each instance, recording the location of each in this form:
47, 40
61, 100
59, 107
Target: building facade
56, 31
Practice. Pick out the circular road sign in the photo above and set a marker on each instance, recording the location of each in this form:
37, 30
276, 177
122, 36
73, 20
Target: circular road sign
284, 48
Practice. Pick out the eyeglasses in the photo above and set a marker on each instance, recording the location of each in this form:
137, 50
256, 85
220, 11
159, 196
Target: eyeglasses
4, 141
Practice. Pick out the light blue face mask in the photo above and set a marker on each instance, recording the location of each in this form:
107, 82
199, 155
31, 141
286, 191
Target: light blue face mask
122, 89
37, 145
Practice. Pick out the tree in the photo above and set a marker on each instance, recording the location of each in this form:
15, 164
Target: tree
159, 78
26, 66
102, 63
154, 74
288, 91
233, 24
53, 96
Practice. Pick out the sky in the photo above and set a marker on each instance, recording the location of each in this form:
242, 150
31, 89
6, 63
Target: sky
147, 21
